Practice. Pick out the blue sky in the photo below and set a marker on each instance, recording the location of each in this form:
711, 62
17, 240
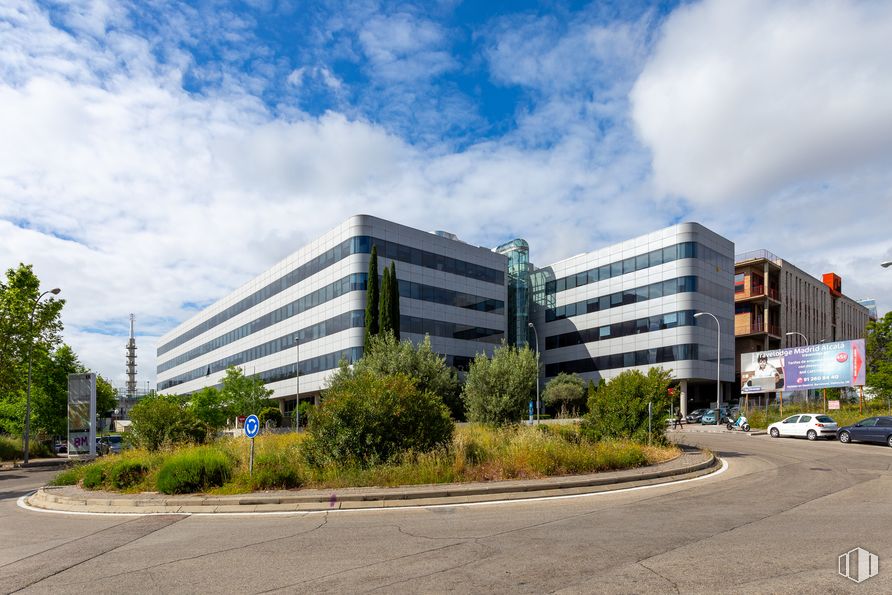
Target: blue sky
155, 156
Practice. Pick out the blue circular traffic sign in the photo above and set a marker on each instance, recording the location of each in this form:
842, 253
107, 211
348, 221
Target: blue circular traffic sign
252, 426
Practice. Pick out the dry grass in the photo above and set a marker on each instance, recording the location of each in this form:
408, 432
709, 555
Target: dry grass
477, 453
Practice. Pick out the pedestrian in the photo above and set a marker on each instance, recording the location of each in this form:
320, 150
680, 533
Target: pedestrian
679, 420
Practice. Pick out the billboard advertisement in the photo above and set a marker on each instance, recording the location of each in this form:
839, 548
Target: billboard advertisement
825, 365
81, 414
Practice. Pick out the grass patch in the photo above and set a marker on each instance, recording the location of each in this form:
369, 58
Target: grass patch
476, 453
11, 449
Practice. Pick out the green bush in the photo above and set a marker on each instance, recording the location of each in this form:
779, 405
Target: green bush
194, 470
497, 390
68, 477
163, 420
274, 471
11, 449
270, 414
126, 473
367, 419
565, 393
94, 476
618, 409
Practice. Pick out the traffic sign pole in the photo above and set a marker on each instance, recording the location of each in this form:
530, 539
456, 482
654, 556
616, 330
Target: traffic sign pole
252, 428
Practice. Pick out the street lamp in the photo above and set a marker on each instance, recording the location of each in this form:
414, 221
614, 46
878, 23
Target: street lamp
886, 264
54, 291
718, 367
535, 334
791, 333
297, 380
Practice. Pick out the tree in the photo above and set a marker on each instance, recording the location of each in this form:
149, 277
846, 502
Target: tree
618, 409
565, 392
497, 390
159, 420
19, 339
243, 395
207, 405
394, 301
879, 356
385, 325
49, 403
106, 397
428, 369
371, 300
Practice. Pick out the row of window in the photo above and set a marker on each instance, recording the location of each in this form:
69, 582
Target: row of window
632, 295
354, 245
638, 263
354, 282
622, 329
342, 322
642, 357
451, 330
448, 297
622, 267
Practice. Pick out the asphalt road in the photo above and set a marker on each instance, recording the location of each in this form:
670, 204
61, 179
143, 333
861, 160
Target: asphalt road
774, 522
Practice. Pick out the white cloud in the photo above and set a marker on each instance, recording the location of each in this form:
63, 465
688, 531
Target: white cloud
403, 47
745, 97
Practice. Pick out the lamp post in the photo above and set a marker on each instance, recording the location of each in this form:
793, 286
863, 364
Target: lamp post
718, 367
297, 382
54, 291
886, 264
536, 334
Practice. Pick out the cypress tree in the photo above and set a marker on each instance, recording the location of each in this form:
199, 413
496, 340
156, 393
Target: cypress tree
371, 300
386, 325
394, 301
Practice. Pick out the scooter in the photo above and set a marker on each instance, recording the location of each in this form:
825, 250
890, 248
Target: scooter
741, 424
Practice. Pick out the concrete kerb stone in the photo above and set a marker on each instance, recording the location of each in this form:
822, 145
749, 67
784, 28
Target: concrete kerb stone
52, 498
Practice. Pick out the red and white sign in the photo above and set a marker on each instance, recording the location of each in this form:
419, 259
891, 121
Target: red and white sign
832, 404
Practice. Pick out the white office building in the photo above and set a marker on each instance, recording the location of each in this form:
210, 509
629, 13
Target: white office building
311, 305
628, 306
632, 306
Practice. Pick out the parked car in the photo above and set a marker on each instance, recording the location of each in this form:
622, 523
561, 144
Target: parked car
808, 425
695, 415
109, 444
60, 447
709, 417
872, 429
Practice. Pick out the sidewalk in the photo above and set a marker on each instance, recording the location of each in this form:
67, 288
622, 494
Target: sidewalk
46, 462
692, 463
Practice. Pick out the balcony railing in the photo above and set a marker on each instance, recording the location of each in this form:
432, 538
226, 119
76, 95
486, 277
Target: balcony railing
757, 291
761, 327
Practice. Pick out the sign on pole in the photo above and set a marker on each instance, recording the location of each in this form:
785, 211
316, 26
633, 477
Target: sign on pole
832, 404
252, 428
82, 414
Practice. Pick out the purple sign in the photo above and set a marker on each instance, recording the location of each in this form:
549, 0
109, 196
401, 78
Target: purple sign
825, 365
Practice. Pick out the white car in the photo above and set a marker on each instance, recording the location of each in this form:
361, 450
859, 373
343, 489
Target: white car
808, 425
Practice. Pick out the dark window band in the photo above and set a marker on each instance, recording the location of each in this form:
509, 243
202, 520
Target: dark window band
354, 282
622, 329
353, 319
643, 357
354, 245
633, 295
637, 263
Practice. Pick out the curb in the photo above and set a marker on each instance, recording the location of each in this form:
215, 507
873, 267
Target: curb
47, 463
51, 498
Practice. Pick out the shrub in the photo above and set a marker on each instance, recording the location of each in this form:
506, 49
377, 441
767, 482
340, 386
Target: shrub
194, 470
126, 473
274, 470
387, 355
68, 477
270, 413
94, 476
497, 390
163, 419
11, 449
367, 419
618, 410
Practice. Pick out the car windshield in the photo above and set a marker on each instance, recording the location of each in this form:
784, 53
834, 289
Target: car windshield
825, 419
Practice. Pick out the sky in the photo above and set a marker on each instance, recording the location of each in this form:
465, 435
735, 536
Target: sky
154, 156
